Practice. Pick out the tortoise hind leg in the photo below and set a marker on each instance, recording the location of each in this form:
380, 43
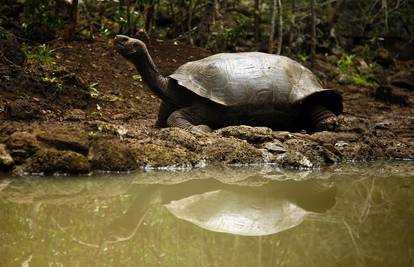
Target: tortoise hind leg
321, 118
191, 118
163, 113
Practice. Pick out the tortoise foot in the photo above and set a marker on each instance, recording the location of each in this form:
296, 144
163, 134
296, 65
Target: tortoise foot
327, 124
201, 129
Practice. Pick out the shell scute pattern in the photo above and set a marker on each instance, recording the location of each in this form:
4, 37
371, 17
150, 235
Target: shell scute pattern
251, 78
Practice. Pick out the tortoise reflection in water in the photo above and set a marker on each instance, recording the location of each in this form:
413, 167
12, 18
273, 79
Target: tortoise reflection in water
251, 88
231, 208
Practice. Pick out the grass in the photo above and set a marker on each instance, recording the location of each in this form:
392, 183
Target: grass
345, 66
42, 54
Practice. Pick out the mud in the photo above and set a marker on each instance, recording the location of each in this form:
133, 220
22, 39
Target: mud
90, 111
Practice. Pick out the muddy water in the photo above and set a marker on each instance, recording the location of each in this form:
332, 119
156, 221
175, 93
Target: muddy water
360, 215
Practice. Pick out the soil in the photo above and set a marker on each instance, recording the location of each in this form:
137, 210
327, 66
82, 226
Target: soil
89, 110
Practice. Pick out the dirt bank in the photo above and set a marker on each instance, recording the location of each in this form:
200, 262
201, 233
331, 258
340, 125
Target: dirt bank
88, 110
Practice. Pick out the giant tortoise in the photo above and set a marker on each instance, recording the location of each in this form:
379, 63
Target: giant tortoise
249, 88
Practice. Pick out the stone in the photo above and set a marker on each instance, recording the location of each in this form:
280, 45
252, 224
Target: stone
5, 159
275, 147
22, 145
23, 110
403, 79
49, 161
294, 159
388, 95
109, 154
181, 137
74, 115
231, 151
255, 135
65, 139
334, 137
159, 154
10, 48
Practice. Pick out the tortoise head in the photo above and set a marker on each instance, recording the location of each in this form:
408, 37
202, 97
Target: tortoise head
130, 48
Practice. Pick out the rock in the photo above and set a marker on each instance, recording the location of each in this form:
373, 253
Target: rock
294, 159
74, 115
333, 59
5, 159
253, 135
282, 135
66, 138
160, 154
403, 79
334, 137
10, 48
318, 155
111, 155
48, 161
386, 94
231, 151
384, 57
275, 147
23, 110
22, 145
181, 137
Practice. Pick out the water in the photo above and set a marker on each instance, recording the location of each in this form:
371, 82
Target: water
359, 215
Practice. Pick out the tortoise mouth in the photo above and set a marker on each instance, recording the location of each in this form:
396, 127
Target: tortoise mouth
123, 49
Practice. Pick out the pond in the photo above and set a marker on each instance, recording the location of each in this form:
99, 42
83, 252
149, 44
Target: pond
350, 215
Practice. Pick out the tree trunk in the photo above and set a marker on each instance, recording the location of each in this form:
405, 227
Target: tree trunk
313, 33
149, 16
204, 30
280, 27
70, 27
189, 25
273, 26
257, 21
384, 4
277, 11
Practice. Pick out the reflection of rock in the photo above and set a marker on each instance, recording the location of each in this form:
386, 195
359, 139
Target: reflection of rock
240, 214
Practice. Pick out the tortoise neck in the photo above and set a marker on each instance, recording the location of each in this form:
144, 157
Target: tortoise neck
158, 84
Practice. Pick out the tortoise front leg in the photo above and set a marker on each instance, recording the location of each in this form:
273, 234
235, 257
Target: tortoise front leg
163, 113
189, 118
322, 119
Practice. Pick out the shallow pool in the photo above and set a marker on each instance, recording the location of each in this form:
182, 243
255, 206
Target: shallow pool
354, 215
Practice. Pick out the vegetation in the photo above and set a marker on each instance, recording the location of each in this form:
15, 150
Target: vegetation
41, 54
225, 24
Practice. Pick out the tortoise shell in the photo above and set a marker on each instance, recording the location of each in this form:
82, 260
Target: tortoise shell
253, 79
